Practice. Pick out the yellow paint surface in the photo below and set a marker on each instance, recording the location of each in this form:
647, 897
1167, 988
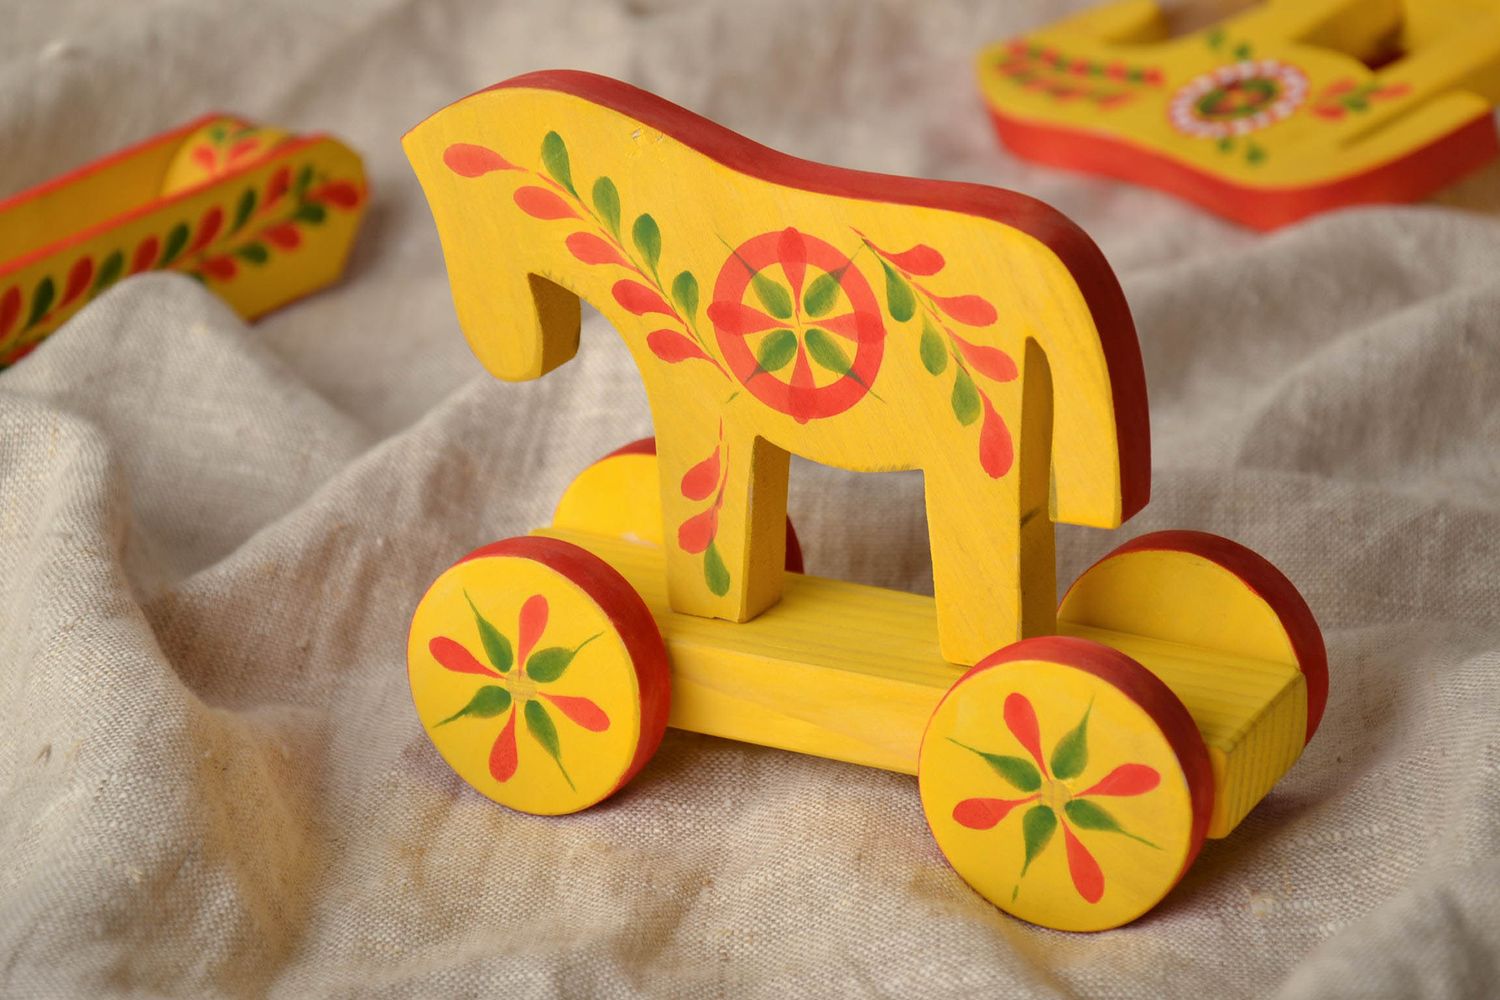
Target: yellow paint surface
591, 763
1134, 875
540, 196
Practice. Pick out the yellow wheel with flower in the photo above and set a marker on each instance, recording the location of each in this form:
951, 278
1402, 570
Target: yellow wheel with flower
1065, 783
539, 675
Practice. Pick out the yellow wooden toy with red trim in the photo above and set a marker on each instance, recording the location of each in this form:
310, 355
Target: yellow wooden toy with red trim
259, 216
1287, 109
776, 307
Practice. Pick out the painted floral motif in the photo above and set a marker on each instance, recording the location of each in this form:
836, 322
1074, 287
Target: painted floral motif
1065, 78
1344, 97
230, 144
798, 324
1051, 796
1238, 99
213, 248
908, 300
696, 535
795, 322
515, 679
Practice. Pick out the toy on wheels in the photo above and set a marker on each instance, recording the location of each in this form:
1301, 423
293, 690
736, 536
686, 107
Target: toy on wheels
1071, 760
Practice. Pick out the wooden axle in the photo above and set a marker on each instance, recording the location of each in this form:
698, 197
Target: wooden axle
853, 673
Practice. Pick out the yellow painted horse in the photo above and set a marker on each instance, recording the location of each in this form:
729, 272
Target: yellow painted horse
777, 306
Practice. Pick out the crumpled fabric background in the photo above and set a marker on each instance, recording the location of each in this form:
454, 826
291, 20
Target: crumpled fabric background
212, 536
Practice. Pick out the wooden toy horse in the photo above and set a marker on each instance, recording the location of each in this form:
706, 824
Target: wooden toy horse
763, 314
1290, 108
776, 306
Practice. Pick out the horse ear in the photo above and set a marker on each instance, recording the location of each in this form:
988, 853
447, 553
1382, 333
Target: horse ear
519, 324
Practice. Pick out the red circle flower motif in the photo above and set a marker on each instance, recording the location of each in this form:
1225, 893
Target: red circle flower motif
518, 691
1238, 99
791, 347
1049, 794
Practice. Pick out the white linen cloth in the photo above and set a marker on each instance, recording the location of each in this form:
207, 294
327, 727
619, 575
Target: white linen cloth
212, 782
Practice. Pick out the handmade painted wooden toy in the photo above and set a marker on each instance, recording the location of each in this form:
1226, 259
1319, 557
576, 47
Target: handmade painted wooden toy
778, 306
1291, 108
259, 216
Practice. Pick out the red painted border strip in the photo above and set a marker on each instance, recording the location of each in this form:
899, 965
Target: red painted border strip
630, 618
1140, 686
1266, 582
108, 160
1409, 178
1073, 247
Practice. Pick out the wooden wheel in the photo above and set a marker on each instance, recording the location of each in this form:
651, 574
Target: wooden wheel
1065, 783
1205, 592
618, 496
538, 674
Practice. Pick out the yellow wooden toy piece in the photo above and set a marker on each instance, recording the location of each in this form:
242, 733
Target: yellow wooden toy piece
776, 306
856, 332
259, 216
538, 674
1053, 779
1268, 116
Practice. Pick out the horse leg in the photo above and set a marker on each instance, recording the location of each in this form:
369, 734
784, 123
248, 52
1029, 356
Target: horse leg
724, 510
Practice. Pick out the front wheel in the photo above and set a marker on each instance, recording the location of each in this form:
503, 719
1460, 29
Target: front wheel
1065, 783
539, 674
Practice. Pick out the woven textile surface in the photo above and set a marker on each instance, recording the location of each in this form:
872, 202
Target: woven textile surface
212, 782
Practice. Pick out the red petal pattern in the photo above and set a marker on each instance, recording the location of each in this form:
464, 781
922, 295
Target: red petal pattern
971, 310
539, 203
78, 280
581, 710
284, 235
863, 327
1127, 779
208, 228
988, 361
700, 480
791, 250
145, 255
10, 309
453, 656
996, 451
1088, 879
1020, 719
590, 249
503, 753
981, 814
639, 299
469, 160
921, 260
533, 624
698, 531
672, 347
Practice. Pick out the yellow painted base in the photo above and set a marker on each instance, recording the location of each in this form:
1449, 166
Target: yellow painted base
853, 673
